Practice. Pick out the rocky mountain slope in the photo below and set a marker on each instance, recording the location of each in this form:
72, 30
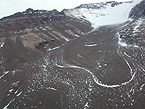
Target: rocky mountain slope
26, 35
88, 57
138, 10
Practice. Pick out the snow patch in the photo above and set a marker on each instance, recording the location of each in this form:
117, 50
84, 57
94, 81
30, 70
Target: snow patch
2, 44
44, 68
19, 94
90, 45
51, 88
6, 107
4, 74
138, 25
105, 65
126, 54
56, 47
16, 83
66, 39
124, 44
10, 91
16, 91
86, 105
77, 35
142, 86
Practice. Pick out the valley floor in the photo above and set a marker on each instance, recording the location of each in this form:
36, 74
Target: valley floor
88, 72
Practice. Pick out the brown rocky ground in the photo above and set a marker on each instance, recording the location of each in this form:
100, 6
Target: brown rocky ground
21, 45
87, 72
45, 64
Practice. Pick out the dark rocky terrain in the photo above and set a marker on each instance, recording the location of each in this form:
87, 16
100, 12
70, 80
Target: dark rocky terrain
52, 61
31, 33
138, 11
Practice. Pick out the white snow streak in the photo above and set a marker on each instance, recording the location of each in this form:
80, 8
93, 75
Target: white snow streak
77, 35
138, 25
19, 94
121, 42
6, 107
4, 74
142, 86
66, 39
2, 45
127, 54
91, 45
86, 105
96, 80
51, 88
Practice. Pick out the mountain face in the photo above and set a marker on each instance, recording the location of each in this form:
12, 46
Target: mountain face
138, 10
29, 18
91, 56
37, 31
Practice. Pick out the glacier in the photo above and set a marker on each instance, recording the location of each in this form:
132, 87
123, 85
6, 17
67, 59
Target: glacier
104, 14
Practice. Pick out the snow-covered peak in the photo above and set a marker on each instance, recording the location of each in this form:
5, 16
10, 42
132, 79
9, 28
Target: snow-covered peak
104, 13
99, 5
